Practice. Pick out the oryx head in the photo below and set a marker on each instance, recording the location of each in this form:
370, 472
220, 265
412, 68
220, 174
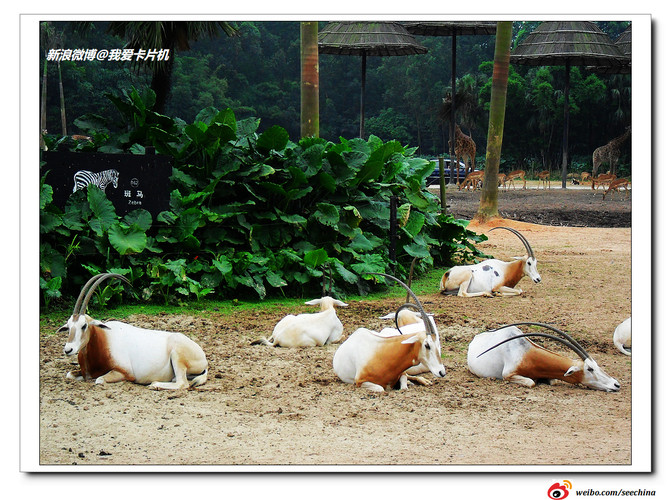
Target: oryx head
429, 352
79, 324
530, 259
326, 303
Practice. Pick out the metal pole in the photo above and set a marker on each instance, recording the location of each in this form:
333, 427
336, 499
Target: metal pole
453, 119
393, 222
564, 167
363, 87
443, 198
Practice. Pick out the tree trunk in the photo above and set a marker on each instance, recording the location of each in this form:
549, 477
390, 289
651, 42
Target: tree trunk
497, 110
309, 80
43, 111
161, 81
64, 128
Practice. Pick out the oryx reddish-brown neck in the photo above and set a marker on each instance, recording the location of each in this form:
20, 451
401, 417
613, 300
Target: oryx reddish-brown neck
95, 358
390, 360
540, 363
514, 273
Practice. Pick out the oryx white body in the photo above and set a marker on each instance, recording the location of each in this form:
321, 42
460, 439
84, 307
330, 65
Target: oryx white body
492, 276
376, 362
116, 351
524, 362
308, 329
489, 277
622, 336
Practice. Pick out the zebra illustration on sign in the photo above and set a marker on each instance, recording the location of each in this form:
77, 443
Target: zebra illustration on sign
83, 178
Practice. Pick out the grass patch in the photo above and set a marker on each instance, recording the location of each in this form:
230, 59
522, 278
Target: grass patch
424, 285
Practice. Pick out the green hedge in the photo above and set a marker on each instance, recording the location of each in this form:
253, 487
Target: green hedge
251, 214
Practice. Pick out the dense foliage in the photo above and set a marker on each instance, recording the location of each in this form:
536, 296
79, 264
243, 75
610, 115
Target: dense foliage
257, 74
251, 213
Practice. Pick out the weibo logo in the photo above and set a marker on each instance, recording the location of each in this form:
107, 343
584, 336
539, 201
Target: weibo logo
559, 491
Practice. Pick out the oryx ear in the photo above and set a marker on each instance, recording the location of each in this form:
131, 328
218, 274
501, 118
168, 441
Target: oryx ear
419, 337
99, 324
571, 371
313, 302
339, 303
63, 328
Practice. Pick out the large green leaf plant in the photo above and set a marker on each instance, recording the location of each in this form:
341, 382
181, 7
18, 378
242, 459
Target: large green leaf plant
251, 214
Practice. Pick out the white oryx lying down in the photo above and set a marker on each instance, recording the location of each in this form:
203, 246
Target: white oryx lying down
308, 329
507, 354
377, 362
115, 351
492, 276
404, 317
622, 336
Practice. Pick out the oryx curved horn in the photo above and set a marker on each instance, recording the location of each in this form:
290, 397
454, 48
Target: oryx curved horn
546, 335
94, 283
78, 305
407, 305
429, 327
524, 241
583, 353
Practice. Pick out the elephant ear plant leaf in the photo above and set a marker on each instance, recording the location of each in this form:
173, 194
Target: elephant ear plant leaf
251, 214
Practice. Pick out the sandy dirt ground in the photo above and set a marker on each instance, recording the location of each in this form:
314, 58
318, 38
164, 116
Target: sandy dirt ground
279, 406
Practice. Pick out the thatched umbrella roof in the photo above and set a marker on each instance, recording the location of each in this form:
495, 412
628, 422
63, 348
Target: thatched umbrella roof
567, 43
576, 43
360, 38
367, 38
623, 43
451, 28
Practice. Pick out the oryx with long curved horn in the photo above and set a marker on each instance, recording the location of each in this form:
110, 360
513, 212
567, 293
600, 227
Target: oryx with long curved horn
114, 351
380, 361
507, 353
492, 276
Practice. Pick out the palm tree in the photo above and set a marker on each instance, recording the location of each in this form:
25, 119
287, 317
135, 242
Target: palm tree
497, 110
171, 35
309, 79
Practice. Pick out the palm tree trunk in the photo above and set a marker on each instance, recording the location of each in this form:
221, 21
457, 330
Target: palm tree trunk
64, 128
309, 80
43, 111
497, 111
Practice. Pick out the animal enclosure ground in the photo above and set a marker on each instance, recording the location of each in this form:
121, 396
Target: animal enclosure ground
577, 206
278, 406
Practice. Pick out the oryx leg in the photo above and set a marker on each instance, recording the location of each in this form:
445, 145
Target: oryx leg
179, 367
519, 379
403, 382
372, 387
464, 293
507, 291
463, 287
418, 380
111, 377
75, 375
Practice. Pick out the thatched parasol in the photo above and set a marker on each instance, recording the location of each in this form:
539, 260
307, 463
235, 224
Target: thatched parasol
567, 43
623, 43
453, 29
360, 38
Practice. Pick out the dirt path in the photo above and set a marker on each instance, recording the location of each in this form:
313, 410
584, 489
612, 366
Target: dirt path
276, 406
577, 206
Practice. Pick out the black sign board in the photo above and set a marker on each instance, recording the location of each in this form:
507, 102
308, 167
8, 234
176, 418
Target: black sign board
129, 181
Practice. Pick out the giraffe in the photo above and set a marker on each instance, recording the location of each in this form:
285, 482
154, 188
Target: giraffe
465, 149
609, 153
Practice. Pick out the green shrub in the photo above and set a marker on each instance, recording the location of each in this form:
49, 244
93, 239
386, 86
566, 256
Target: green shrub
251, 214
